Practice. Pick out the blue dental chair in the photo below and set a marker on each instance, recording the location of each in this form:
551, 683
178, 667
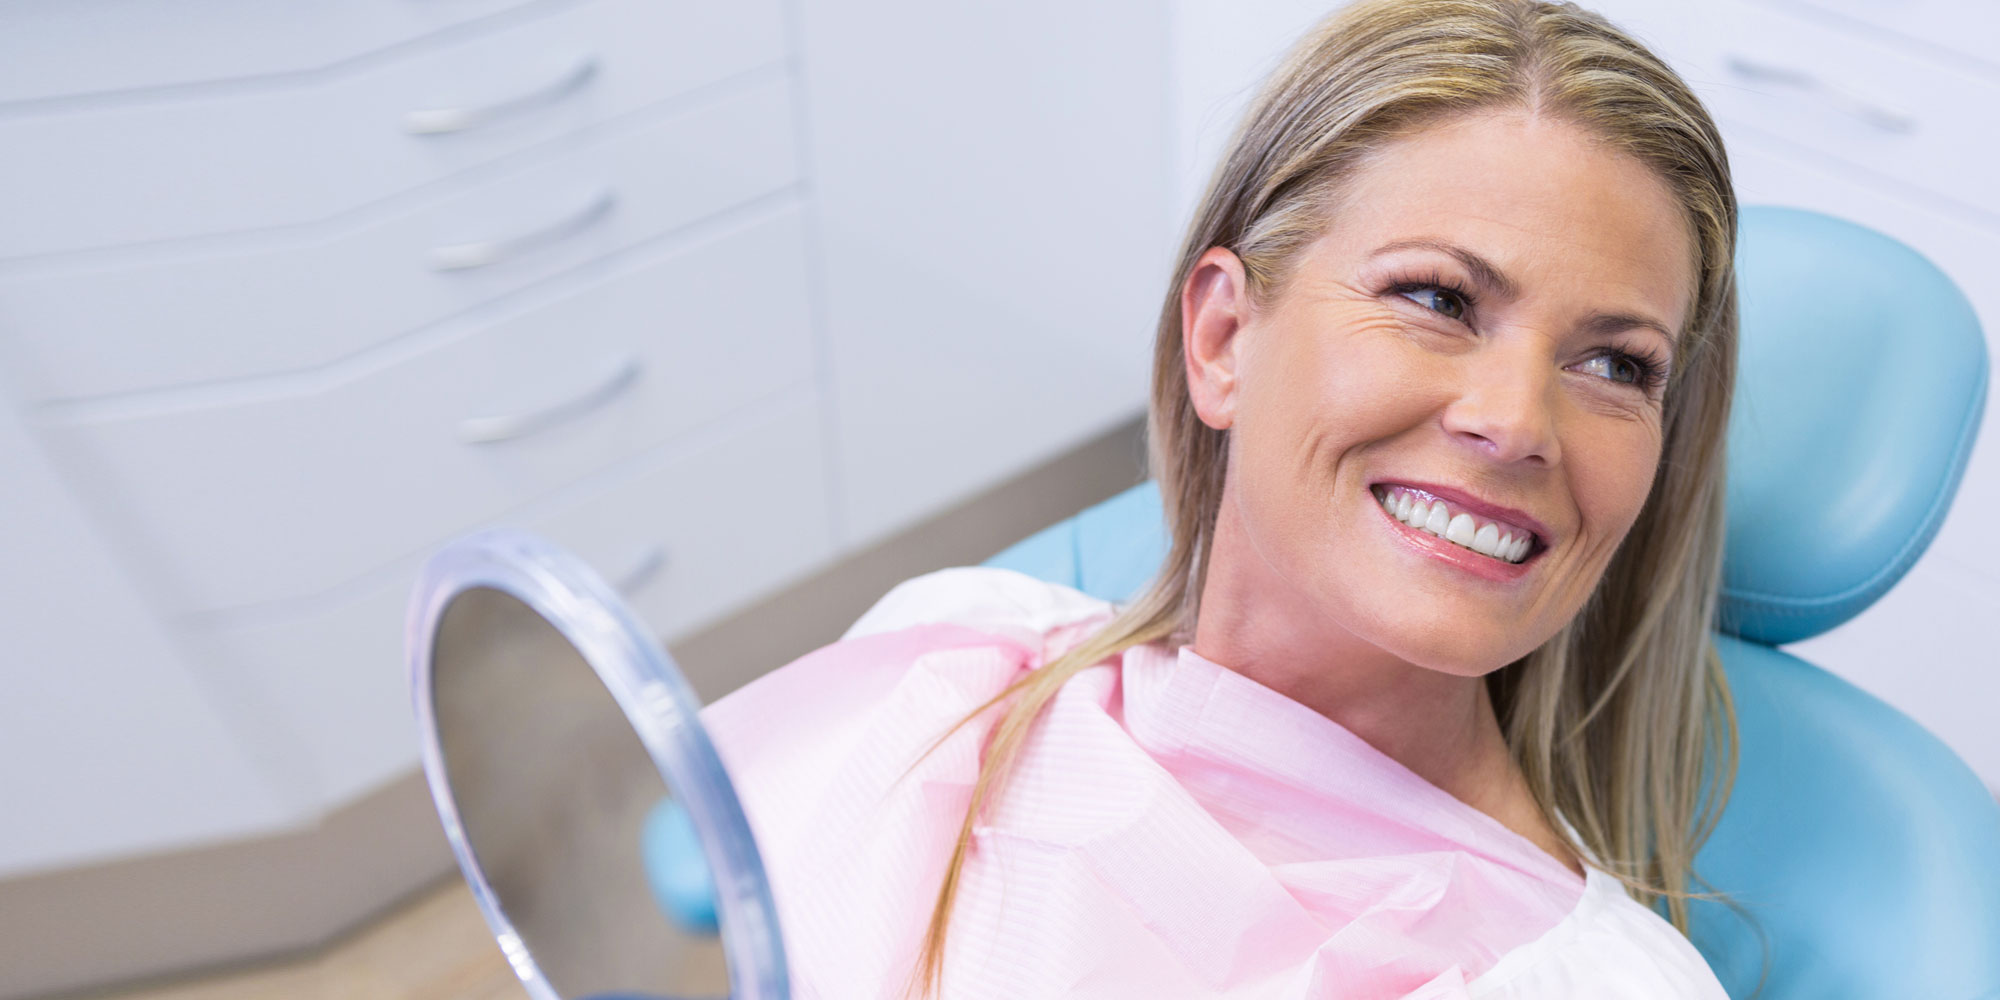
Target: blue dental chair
1867, 852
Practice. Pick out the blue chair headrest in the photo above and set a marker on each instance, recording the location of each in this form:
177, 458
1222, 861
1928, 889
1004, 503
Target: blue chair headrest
1850, 430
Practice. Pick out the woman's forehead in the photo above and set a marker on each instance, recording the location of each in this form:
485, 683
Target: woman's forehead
1549, 208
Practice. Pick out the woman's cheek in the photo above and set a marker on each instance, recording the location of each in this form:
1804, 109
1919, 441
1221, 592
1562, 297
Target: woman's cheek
1620, 465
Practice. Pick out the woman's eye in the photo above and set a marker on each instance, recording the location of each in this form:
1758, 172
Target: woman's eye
1615, 368
1443, 301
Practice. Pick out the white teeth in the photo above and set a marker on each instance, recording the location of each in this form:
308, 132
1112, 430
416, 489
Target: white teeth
1461, 530
1487, 539
1415, 511
1439, 520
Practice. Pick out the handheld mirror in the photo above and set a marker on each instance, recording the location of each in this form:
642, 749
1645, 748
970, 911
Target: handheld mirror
579, 791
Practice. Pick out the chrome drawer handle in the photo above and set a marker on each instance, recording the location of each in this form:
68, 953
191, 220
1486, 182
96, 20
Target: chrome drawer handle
645, 566
1885, 119
480, 253
437, 121
491, 430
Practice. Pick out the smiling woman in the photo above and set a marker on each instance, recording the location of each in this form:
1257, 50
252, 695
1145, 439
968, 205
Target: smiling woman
1423, 701
1531, 408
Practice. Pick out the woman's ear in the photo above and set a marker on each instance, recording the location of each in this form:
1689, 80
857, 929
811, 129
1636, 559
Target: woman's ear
1214, 306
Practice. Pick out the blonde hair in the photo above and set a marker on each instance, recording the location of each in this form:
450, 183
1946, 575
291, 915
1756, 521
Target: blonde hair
1614, 719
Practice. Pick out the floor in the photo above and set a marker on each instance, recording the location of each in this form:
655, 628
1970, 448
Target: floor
433, 947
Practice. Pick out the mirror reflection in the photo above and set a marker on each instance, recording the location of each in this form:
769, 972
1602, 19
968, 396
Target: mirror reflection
559, 802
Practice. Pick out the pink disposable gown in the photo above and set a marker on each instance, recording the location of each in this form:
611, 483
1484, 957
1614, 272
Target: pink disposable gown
1172, 829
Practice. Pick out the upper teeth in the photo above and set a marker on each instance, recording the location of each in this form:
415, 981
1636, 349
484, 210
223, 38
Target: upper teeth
1492, 538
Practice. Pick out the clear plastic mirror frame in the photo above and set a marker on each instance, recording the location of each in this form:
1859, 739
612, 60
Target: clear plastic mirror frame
654, 697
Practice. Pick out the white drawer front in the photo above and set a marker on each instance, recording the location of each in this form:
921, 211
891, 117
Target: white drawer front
139, 172
64, 48
696, 530
254, 500
1839, 93
272, 306
1963, 27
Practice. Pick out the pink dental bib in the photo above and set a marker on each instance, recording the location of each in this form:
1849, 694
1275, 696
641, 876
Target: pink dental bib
1172, 828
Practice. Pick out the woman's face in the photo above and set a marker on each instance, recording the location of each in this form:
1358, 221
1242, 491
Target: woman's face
1487, 323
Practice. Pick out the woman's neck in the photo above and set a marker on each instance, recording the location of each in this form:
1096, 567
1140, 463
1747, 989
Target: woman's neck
1440, 726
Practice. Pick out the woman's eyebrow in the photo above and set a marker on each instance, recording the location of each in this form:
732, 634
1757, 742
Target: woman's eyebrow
1604, 323
1485, 273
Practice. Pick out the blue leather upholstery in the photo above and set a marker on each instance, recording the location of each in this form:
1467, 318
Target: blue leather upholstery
1862, 380
1866, 851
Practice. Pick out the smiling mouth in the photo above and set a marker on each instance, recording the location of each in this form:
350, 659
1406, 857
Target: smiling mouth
1494, 539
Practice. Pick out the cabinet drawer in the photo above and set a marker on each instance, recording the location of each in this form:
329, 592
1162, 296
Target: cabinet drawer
78, 332
145, 171
690, 534
1964, 27
279, 491
1883, 108
62, 48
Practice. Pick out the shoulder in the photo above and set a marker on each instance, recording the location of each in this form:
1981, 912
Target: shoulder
1609, 946
854, 772
929, 652
1000, 601
979, 623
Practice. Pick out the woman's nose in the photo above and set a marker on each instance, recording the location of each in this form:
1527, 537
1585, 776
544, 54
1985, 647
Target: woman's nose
1506, 406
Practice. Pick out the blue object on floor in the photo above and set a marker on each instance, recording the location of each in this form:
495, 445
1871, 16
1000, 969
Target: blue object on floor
1867, 851
676, 869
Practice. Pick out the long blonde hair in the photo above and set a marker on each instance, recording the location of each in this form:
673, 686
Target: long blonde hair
1616, 719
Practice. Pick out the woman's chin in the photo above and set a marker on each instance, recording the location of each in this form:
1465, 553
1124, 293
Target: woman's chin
1456, 646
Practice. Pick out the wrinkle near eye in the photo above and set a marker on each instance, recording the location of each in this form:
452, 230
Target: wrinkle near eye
1613, 399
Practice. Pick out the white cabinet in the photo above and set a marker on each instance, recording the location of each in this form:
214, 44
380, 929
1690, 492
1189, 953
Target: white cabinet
992, 190
110, 743
305, 150
301, 488
1850, 98
288, 302
288, 298
1961, 31
712, 294
668, 529
138, 45
709, 295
